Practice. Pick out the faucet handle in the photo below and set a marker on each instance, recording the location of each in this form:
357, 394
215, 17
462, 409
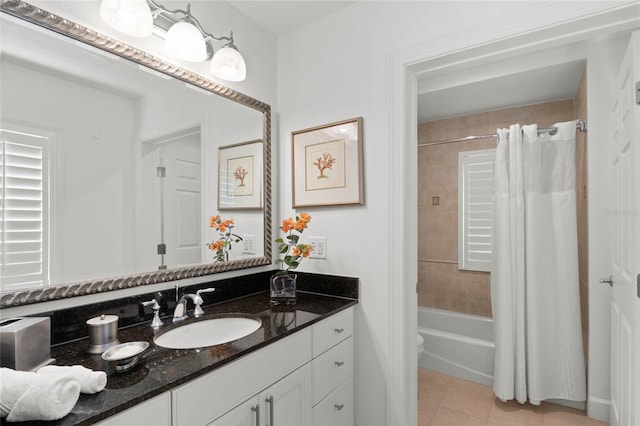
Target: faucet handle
198, 310
156, 322
206, 290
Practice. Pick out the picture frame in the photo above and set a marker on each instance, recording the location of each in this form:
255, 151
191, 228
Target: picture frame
240, 176
326, 163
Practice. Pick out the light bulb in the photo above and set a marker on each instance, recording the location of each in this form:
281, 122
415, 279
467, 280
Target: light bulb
227, 63
131, 17
184, 41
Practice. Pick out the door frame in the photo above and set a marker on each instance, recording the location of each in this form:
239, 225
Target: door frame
405, 66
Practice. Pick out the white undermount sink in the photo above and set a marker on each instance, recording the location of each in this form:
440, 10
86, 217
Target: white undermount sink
209, 332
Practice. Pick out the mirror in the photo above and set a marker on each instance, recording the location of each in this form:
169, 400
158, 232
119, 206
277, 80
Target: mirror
127, 153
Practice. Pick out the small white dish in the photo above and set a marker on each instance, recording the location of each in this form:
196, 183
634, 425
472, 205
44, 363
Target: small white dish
125, 355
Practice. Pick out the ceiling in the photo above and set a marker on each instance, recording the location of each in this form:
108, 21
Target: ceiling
478, 94
527, 87
278, 17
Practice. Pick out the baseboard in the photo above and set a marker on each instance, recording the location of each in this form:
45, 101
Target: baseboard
578, 405
429, 361
598, 408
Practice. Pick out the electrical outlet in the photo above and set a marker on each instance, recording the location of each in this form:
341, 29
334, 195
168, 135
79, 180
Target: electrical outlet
248, 244
318, 247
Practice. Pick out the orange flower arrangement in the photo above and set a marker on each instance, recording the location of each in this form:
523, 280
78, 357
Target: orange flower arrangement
223, 244
289, 247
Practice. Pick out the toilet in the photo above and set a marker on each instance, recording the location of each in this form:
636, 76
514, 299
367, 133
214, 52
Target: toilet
420, 346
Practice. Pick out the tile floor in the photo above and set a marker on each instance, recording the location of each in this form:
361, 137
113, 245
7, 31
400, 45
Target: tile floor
448, 401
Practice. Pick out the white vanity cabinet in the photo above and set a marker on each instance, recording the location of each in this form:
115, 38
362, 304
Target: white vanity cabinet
332, 369
302, 380
153, 412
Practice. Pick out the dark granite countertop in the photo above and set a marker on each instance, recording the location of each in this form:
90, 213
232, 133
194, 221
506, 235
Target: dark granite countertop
160, 369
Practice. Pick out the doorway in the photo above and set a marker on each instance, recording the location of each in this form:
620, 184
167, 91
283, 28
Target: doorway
406, 72
453, 265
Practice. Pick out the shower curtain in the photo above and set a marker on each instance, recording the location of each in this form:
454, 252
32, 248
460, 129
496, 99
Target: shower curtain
534, 280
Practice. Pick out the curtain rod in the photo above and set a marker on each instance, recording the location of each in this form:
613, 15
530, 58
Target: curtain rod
580, 125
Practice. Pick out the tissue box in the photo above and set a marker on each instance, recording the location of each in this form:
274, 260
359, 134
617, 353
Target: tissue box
25, 343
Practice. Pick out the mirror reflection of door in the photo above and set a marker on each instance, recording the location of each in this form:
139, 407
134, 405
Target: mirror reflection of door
177, 201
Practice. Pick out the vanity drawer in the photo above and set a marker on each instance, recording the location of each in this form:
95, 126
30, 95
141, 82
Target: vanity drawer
332, 368
332, 331
337, 408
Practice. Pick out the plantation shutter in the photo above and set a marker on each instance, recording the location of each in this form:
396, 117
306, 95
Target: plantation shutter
475, 209
23, 210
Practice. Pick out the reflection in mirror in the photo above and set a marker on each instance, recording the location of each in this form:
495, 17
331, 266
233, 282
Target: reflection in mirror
114, 166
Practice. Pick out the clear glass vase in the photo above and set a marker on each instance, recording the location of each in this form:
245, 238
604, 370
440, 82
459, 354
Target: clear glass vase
283, 289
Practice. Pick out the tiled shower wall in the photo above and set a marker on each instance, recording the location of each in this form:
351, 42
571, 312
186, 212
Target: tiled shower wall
440, 284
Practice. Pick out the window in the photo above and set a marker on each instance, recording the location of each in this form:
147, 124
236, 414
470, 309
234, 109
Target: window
475, 209
24, 210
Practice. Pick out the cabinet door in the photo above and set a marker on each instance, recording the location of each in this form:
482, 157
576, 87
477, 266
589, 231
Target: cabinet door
288, 402
246, 414
153, 412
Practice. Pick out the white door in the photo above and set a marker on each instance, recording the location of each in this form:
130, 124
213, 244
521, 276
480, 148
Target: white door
182, 211
625, 232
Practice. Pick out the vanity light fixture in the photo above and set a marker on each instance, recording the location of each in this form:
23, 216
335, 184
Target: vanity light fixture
185, 39
131, 17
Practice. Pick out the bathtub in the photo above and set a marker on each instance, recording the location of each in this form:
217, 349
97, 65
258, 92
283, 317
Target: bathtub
458, 345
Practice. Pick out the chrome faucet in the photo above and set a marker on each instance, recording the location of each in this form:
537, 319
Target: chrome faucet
180, 312
155, 306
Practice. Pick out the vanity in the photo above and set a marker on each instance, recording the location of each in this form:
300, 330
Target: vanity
303, 379
297, 368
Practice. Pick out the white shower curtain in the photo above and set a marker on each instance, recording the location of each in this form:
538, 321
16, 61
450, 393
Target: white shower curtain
534, 280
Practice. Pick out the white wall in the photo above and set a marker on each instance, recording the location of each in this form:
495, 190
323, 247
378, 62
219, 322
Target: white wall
341, 67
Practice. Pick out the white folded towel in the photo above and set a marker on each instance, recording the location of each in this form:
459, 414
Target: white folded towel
26, 396
90, 381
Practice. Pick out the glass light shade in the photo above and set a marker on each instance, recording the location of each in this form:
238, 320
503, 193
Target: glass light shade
227, 63
184, 41
131, 17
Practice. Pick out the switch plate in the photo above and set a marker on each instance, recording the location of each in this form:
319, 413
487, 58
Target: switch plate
248, 244
318, 247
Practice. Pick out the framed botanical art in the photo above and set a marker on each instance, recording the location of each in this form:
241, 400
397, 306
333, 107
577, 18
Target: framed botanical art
240, 176
327, 164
